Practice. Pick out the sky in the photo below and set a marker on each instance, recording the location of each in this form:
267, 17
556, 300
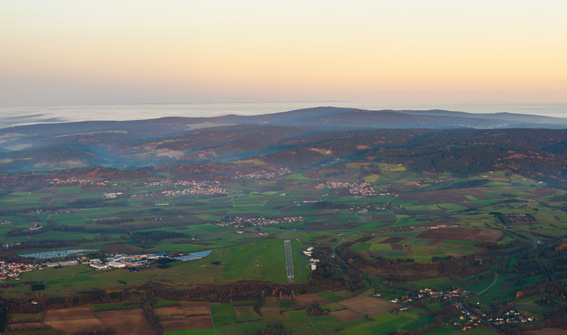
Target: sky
69, 52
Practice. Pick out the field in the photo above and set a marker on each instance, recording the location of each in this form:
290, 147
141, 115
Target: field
346, 315
368, 306
223, 314
125, 322
548, 331
423, 219
73, 320
463, 234
186, 316
310, 299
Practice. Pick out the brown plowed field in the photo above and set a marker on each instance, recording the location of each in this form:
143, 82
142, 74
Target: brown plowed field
186, 323
393, 240
471, 247
367, 305
27, 326
547, 331
309, 299
73, 320
188, 315
126, 321
377, 240
463, 234
542, 191
346, 315
186, 308
434, 242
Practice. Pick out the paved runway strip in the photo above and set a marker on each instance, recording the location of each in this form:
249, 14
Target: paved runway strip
288, 261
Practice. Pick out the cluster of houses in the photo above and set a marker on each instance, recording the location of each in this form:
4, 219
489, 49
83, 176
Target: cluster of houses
239, 222
11, 270
206, 187
422, 182
111, 195
35, 227
511, 317
469, 318
251, 231
431, 293
308, 201
264, 174
312, 261
78, 181
358, 190
48, 211
428, 293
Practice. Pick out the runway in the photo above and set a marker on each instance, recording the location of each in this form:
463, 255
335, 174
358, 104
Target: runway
289, 262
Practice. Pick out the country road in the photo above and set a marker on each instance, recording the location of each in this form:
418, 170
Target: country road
335, 247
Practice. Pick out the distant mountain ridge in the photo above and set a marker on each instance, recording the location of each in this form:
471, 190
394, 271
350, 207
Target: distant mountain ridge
437, 140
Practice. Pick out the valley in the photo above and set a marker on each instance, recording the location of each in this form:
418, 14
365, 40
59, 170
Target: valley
390, 230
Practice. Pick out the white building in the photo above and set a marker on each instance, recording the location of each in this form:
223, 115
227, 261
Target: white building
116, 265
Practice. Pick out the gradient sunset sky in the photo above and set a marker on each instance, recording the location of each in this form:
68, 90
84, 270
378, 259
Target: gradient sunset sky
415, 51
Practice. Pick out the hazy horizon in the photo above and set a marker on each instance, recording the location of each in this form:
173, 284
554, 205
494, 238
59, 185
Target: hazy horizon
15, 116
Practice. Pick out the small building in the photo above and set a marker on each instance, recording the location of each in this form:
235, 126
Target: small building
68, 263
116, 265
99, 266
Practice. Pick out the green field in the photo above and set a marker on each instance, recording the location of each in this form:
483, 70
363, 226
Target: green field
377, 230
223, 314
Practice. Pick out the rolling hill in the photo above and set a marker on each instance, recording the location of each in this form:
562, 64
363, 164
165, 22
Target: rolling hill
433, 140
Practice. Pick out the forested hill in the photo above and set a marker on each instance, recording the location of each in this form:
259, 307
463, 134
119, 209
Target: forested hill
432, 140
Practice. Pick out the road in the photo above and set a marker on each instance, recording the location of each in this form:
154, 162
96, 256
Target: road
536, 243
289, 262
335, 247
493, 281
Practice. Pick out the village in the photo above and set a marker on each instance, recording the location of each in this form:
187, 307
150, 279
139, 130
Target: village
48, 211
78, 181
238, 222
357, 190
206, 187
12, 270
264, 175
470, 317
